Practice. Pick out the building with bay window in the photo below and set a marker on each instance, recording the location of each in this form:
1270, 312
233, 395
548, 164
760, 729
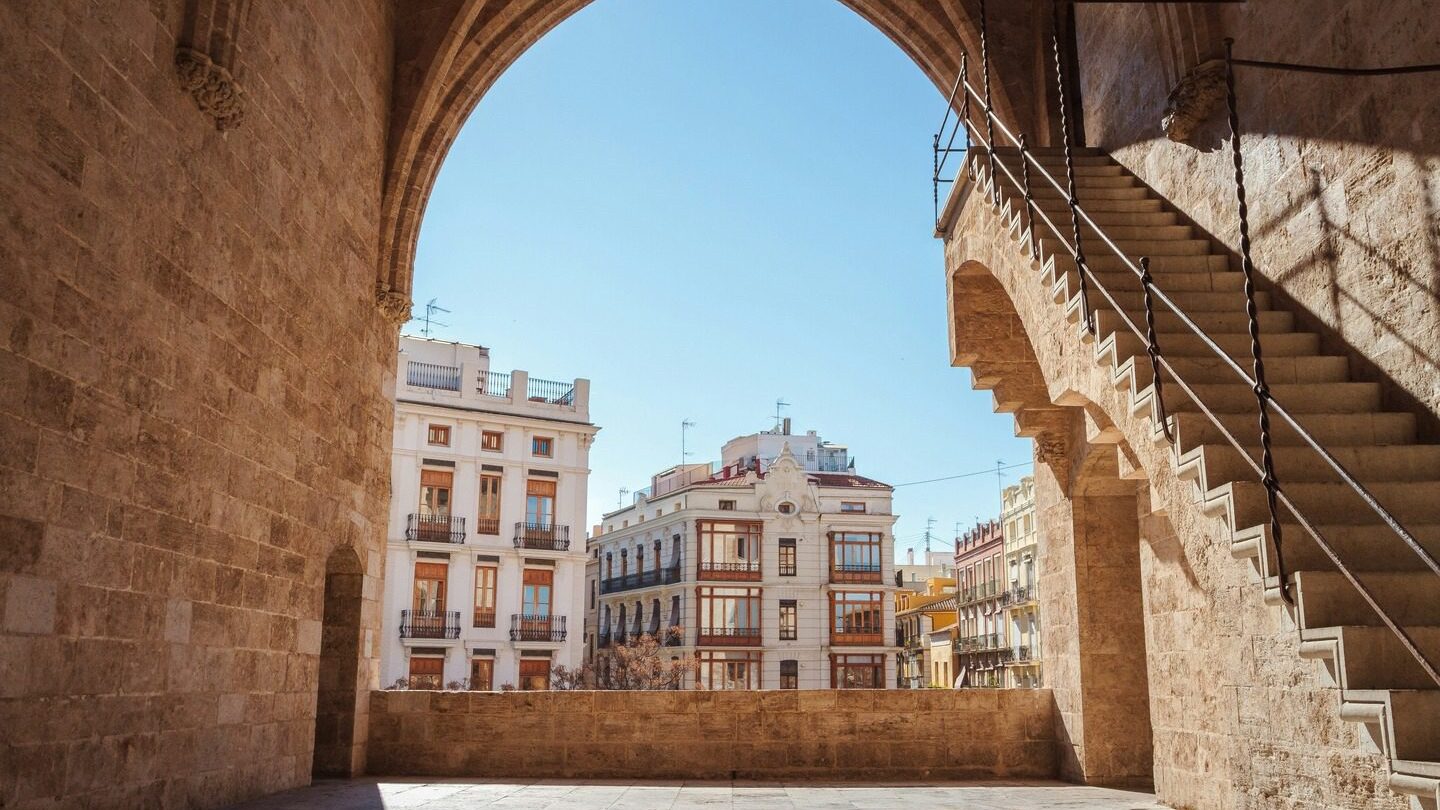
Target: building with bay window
484, 582
772, 568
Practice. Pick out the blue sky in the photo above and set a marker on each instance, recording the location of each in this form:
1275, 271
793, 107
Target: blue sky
707, 205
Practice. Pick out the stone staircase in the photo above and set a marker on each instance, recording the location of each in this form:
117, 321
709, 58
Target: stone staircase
1381, 684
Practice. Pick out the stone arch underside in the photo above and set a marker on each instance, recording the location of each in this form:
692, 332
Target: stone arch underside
449, 53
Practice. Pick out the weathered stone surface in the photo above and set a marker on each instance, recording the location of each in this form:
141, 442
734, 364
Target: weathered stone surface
871, 734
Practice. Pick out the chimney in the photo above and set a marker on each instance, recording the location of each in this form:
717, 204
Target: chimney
785, 426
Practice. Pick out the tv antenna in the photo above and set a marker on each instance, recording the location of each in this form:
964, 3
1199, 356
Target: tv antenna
779, 403
685, 425
430, 309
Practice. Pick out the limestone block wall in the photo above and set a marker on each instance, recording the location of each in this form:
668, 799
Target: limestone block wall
690, 734
193, 410
1342, 173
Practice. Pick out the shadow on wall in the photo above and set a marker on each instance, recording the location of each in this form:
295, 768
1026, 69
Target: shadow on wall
1414, 279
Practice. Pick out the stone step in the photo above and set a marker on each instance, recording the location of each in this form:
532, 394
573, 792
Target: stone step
1084, 181
1177, 344
1156, 216
1331, 430
1368, 464
1193, 303
1176, 280
1372, 657
1406, 722
1326, 598
1331, 503
1133, 247
1212, 323
1097, 208
1367, 547
1136, 374
1304, 398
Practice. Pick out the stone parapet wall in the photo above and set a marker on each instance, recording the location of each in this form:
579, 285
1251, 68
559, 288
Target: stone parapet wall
852, 734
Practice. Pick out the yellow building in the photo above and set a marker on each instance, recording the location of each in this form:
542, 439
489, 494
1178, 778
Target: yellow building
919, 616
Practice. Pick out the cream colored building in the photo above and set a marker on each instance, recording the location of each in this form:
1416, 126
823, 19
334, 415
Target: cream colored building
1021, 600
485, 556
775, 566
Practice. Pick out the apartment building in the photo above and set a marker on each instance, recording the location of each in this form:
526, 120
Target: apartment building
1021, 600
919, 617
982, 641
773, 566
483, 583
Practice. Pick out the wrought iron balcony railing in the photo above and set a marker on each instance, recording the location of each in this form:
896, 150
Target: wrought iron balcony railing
543, 536
728, 636
641, 579
436, 528
432, 375
744, 570
528, 627
437, 624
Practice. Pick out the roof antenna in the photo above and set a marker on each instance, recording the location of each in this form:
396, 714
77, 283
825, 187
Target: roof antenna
430, 309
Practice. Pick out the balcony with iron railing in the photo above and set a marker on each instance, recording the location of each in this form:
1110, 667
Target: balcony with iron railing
432, 375
542, 536
435, 528
728, 637
549, 392
440, 624
739, 571
642, 579
528, 627
447, 373
855, 572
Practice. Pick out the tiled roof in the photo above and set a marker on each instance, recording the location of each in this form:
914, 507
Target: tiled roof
828, 479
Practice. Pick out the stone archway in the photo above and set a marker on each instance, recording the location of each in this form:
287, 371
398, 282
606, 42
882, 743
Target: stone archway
340, 695
447, 55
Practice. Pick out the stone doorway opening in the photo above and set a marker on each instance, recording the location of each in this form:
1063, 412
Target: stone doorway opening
337, 699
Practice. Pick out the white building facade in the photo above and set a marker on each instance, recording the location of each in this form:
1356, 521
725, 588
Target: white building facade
485, 557
772, 569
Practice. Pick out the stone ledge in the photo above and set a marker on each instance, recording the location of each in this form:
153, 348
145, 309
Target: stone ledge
857, 735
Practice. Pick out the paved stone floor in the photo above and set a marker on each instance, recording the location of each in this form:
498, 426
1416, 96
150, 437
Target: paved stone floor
370, 794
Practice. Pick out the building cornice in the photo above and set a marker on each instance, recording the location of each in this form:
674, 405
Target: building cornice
591, 426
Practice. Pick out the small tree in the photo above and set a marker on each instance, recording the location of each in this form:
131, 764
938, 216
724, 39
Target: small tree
638, 664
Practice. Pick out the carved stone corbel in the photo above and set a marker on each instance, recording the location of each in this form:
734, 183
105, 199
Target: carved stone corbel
1193, 100
206, 55
394, 305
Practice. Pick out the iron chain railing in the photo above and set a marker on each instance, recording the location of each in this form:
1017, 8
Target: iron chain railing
1276, 495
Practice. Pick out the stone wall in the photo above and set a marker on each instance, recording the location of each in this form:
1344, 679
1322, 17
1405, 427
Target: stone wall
1342, 173
193, 413
823, 734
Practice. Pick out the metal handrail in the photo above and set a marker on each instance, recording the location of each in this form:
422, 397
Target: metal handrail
1274, 489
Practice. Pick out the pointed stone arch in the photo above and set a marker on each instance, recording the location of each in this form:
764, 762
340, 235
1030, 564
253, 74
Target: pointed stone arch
448, 55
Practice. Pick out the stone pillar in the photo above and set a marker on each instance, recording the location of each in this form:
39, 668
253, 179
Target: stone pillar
1093, 629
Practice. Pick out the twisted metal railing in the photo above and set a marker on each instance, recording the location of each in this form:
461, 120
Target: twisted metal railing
1276, 495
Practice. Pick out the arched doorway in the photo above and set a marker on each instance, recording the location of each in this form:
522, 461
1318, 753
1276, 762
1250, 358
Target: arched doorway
340, 695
